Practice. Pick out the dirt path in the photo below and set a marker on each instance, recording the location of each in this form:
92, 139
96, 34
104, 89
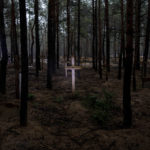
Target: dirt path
57, 120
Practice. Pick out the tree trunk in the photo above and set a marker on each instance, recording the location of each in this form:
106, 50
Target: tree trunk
103, 46
146, 51
32, 44
3, 62
93, 40
14, 47
100, 40
68, 29
54, 36
58, 34
115, 46
107, 36
128, 67
122, 46
78, 47
24, 64
137, 42
96, 36
138, 31
51, 42
36, 11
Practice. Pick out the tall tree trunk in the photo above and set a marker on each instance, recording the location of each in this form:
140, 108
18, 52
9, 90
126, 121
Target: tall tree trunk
107, 36
138, 32
68, 29
128, 67
78, 47
93, 40
96, 36
100, 40
146, 51
137, 42
51, 42
103, 47
32, 43
24, 64
14, 47
11, 46
54, 36
3, 62
36, 11
57, 33
29, 35
115, 46
122, 46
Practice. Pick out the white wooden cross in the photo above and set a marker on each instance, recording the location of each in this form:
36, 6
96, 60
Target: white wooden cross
73, 68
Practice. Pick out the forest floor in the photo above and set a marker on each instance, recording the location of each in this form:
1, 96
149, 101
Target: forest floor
60, 120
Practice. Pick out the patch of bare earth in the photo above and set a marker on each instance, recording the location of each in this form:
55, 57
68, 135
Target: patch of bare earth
57, 120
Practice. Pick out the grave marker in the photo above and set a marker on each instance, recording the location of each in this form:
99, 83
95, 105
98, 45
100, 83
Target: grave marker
73, 68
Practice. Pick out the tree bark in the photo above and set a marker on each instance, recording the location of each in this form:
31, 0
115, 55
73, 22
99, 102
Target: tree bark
68, 29
51, 42
146, 51
96, 36
137, 42
107, 36
128, 67
100, 40
24, 64
4, 60
32, 43
14, 47
78, 47
36, 11
122, 46
57, 34
93, 40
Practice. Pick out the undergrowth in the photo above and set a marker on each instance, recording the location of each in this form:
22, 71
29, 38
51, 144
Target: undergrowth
101, 106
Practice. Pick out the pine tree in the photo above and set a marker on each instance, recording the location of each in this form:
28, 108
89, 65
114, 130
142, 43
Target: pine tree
107, 37
93, 34
137, 41
78, 47
100, 39
96, 37
14, 46
51, 42
3, 62
146, 51
122, 46
57, 30
128, 66
68, 29
36, 11
24, 64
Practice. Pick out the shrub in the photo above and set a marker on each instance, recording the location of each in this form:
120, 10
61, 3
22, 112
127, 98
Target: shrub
31, 97
101, 106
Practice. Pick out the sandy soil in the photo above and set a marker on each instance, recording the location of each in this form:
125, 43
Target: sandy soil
57, 120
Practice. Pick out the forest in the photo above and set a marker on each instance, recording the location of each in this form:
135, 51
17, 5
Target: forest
74, 75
